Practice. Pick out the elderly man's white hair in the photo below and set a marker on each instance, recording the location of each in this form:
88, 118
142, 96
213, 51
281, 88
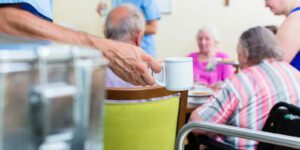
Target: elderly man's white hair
124, 22
212, 31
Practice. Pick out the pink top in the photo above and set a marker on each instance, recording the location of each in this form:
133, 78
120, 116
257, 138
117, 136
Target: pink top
204, 76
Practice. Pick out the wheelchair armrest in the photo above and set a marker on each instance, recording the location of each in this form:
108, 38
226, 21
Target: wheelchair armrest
266, 137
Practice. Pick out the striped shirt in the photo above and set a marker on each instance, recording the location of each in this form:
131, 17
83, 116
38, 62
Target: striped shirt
245, 99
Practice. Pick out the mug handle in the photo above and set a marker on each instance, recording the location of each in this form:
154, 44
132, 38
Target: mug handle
155, 76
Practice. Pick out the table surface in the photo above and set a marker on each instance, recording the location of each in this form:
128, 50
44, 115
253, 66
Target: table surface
197, 96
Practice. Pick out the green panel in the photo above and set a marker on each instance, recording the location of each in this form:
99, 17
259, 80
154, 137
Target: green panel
141, 126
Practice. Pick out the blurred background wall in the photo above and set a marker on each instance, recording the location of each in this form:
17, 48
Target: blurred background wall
177, 31
79, 14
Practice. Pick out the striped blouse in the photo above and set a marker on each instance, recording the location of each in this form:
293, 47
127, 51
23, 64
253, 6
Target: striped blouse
246, 99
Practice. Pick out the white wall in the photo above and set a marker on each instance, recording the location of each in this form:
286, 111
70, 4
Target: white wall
176, 35
176, 32
80, 14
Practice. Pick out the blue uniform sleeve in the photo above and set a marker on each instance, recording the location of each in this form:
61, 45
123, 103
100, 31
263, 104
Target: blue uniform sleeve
40, 8
151, 10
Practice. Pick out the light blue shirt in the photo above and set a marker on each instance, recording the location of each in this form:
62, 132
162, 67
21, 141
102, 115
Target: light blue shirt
40, 8
151, 12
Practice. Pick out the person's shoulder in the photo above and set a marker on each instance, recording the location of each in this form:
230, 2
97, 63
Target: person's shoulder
239, 81
294, 16
290, 25
245, 73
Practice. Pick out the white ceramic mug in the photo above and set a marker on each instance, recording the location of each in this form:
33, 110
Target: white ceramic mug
177, 73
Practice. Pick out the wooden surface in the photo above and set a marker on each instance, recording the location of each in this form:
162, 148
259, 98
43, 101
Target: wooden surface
137, 93
150, 92
182, 109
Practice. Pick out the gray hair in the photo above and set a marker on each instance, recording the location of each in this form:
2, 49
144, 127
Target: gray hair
259, 43
212, 31
123, 27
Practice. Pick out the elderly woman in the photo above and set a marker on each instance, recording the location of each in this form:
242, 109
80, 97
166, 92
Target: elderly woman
207, 70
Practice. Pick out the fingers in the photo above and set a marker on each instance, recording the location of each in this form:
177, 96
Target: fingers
131, 64
146, 77
154, 64
160, 61
133, 72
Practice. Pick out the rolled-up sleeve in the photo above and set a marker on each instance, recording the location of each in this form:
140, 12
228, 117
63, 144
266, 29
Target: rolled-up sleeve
40, 8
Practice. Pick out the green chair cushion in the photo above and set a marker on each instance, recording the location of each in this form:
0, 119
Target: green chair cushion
141, 126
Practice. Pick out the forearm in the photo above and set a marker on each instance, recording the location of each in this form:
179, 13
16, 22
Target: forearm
127, 61
14, 21
195, 118
18, 22
151, 27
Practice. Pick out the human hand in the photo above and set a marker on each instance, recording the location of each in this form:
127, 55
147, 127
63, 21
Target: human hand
130, 63
101, 9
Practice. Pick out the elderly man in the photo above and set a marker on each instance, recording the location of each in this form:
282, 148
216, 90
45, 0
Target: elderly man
124, 23
246, 98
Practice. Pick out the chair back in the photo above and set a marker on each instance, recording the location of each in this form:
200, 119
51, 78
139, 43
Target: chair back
283, 119
143, 124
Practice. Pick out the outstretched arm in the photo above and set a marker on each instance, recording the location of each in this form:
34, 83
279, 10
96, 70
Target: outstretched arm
127, 61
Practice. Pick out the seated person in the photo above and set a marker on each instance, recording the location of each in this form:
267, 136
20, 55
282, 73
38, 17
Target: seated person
245, 99
124, 23
207, 70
